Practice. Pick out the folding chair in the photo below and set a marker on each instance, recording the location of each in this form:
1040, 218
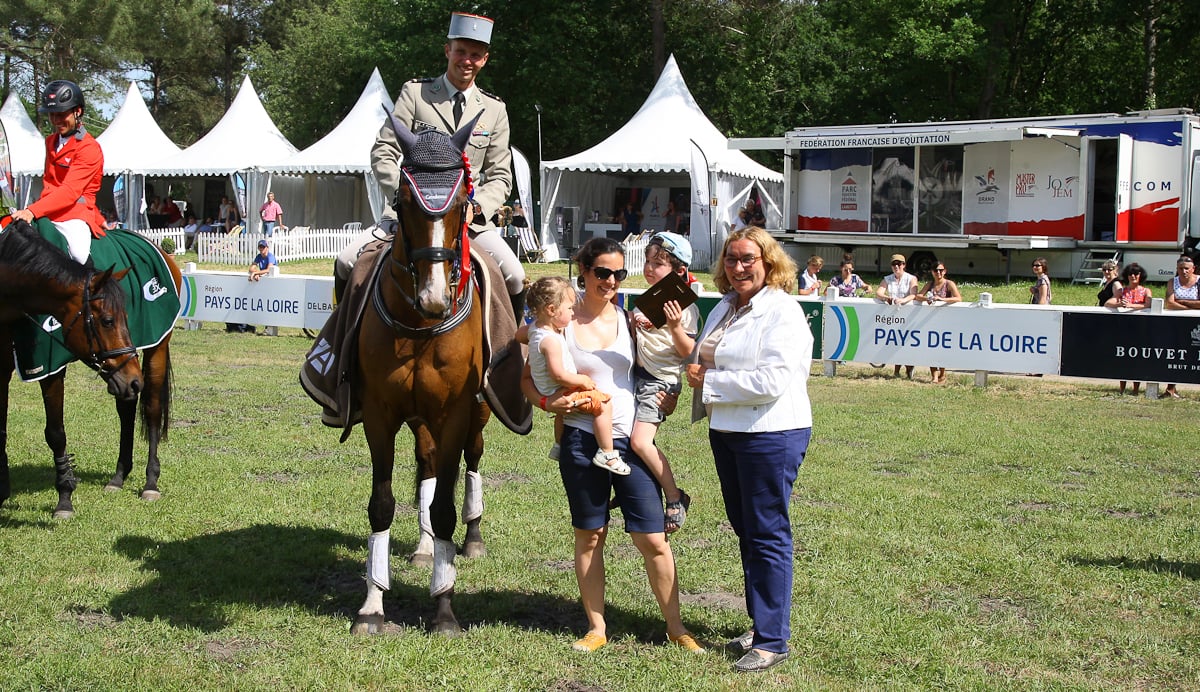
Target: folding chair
530, 247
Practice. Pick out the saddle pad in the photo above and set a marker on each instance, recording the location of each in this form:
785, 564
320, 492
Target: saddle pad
328, 374
151, 302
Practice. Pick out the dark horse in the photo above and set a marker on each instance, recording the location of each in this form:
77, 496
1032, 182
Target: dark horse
38, 278
420, 363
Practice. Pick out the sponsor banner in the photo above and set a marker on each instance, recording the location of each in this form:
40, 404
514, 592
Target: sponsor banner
273, 301
708, 300
960, 336
1132, 346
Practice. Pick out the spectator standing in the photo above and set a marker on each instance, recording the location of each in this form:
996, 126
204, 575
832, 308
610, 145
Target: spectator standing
1039, 292
939, 291
898, 288
600, 344
809, 283
847, 282
272, 215
263, 261
1183, 293
750, 378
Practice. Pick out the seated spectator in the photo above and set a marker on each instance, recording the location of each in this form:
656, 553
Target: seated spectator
171, 210
190, 227
847, 282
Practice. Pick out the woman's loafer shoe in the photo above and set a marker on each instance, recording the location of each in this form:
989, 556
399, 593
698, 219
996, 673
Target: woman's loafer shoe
740, 645
756, 662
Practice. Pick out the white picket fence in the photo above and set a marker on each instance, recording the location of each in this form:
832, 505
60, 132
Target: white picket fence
156, 235
635, 252
298, 242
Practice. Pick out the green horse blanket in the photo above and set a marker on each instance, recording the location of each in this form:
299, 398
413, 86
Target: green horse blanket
151, 301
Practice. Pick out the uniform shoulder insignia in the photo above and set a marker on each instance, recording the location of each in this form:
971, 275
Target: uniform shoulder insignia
491, 95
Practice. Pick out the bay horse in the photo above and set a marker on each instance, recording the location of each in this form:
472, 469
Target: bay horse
38, 278
420, 363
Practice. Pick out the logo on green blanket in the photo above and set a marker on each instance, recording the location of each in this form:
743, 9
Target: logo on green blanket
51, 325
152, 289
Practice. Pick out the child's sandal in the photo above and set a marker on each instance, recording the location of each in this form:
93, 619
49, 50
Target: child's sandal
676, 512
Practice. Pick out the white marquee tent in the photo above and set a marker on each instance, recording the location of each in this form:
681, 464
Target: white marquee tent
132, 143
654, 150
244, 141
27, 146
338, 183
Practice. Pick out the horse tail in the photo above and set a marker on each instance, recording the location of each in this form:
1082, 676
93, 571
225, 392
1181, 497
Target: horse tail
166, 388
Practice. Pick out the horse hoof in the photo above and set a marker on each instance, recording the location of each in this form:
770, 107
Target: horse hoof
64, 513
151, 495
420, 560
448, 629
367, 624
474, 549
110, 488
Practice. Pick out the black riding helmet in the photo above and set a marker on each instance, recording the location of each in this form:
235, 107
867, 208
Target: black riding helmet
61, 96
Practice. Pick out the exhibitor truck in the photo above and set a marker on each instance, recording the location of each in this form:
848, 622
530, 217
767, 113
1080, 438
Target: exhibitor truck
981, 195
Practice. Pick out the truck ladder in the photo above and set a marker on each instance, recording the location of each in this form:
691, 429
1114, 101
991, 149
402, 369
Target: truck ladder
1089, 271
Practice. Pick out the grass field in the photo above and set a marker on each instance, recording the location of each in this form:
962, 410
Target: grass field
1036, 534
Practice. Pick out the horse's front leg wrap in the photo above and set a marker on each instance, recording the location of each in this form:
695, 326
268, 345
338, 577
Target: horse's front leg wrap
444, 573
379, 568
64, 469
472, 507
424, 502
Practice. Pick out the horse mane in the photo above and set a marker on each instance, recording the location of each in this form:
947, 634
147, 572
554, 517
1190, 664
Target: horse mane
22, 248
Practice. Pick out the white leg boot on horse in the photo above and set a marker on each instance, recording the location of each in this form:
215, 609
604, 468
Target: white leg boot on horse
472, 512
379, 579
423, 555
441, 587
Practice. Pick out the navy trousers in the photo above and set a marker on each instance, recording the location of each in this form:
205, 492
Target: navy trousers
757, 471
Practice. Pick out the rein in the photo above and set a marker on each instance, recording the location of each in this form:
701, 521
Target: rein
96, 357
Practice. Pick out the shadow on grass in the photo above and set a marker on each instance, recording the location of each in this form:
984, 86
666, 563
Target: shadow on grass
198, 579
1187, 570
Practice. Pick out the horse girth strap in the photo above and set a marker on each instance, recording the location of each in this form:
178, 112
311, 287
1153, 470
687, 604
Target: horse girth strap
463, 309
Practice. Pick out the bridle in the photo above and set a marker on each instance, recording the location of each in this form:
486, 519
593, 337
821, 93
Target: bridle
435, 171
96, 357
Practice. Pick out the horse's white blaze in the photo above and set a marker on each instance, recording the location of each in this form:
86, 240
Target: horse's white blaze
379, 568
434, 297
444, 573
472, 507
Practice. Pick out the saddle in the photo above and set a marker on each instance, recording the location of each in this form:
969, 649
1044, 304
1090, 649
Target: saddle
328, 374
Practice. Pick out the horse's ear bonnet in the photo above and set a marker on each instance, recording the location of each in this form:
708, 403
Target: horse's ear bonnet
434, 165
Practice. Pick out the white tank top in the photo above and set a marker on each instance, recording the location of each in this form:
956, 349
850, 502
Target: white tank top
611, 369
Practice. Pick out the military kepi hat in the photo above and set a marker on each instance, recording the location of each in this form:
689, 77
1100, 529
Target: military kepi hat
470, 26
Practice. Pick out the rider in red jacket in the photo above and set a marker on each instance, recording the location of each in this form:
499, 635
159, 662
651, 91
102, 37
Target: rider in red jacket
74, 169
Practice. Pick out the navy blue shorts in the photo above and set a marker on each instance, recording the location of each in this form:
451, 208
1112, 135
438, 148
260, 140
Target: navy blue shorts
588, 486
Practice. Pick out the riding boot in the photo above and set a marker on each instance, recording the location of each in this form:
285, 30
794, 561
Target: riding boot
339, 287
518, 305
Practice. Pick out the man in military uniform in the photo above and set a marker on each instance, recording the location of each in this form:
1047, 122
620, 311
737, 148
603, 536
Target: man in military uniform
445, 103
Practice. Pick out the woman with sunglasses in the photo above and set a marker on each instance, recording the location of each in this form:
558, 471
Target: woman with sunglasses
750, 378
1039, 292
939, 291
601, 344
1183, 293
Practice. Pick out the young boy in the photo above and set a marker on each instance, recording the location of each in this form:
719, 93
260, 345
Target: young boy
661, 354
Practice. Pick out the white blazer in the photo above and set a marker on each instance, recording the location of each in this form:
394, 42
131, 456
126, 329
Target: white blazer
760, 382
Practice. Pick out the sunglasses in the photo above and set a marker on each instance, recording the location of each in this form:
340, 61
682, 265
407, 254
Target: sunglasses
897, 263
940, 270
604, 273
